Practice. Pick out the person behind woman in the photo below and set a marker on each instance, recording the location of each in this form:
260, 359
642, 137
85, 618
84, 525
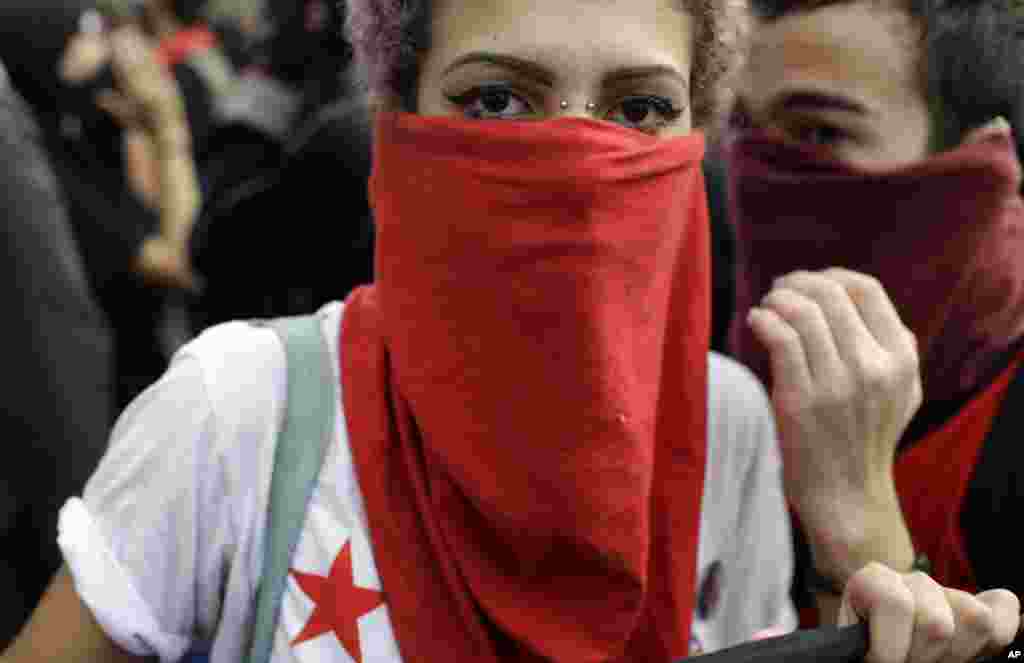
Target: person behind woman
125, 168
267, 160
57, 370
890, 146
519, 469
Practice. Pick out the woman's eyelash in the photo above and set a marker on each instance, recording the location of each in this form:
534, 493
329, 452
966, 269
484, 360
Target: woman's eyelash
475, 93
664, 106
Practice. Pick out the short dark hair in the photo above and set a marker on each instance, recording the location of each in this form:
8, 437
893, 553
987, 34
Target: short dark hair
390, 36
971, 59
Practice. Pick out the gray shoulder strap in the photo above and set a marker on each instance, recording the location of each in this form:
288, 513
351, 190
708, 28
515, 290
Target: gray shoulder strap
301, 447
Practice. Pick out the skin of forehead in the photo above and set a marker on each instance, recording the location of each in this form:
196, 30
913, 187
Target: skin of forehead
573, 37
862, 50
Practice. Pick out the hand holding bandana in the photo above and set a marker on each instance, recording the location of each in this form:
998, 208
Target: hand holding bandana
942, 237
845, 384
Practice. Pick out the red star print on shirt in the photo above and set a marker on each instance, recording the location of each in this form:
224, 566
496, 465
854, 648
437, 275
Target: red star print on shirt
339, 604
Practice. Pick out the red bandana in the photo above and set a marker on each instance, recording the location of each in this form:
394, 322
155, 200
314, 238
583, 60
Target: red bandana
532, 475
945, 237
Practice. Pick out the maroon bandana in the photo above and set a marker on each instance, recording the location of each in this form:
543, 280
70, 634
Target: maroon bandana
944, 236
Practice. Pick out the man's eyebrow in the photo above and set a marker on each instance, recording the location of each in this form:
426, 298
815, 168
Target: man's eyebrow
816, 100
524, 67
649, 71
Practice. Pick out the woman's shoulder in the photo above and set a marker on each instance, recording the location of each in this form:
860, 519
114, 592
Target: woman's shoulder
243, 371
244, 360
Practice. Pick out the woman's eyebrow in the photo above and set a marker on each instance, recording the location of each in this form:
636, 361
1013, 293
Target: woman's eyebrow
651, 71
523, 67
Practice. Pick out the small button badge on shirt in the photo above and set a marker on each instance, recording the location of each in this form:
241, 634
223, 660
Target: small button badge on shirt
710, 593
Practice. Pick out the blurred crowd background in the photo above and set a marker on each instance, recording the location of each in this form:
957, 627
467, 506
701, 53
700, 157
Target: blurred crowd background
166, 165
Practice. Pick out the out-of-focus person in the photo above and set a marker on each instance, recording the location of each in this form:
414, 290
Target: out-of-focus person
723, 248
881, 142
283, 147
240, 25
191, 48
56, 390
113, 123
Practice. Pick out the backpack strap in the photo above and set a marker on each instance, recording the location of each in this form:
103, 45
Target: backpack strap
301, 446
995, 497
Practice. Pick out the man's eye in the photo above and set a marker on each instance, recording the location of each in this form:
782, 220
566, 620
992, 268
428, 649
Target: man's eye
740, 120
645, 113
491, 102
819, 134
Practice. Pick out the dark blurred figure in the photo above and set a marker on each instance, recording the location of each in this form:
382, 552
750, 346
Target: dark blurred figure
723, 249
308, 49
193, 51
56, 390
235, 44
131, 233
296, 148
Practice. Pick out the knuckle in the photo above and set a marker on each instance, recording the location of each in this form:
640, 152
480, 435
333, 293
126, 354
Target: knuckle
912, 339
875, 374
784, 337
907, 372
911, 361
837, 393
792, 304
921, 577
874, 574
797, 311
1004, 596
831, 289
976, 619
867, 285
791, 403
936, 628
916, 394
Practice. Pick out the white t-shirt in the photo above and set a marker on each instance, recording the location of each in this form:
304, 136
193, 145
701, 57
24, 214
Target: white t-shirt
166, 545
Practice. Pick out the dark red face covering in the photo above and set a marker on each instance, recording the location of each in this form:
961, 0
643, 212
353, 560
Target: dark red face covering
945, 237
526, 388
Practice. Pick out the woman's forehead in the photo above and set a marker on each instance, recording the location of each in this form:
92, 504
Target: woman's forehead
567, 33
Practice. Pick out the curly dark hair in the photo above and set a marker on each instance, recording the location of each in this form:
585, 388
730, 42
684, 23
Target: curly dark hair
970, 58
389, 38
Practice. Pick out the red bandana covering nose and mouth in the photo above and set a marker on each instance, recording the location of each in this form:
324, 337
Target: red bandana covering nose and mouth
945, 237
525, 387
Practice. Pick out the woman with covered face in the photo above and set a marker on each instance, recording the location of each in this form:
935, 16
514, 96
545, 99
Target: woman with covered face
529, 422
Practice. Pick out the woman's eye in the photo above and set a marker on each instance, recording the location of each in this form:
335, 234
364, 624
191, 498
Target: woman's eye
645, 113
491, 103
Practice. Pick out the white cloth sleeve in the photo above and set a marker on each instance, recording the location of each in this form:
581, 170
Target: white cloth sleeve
166, 545
133, 541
